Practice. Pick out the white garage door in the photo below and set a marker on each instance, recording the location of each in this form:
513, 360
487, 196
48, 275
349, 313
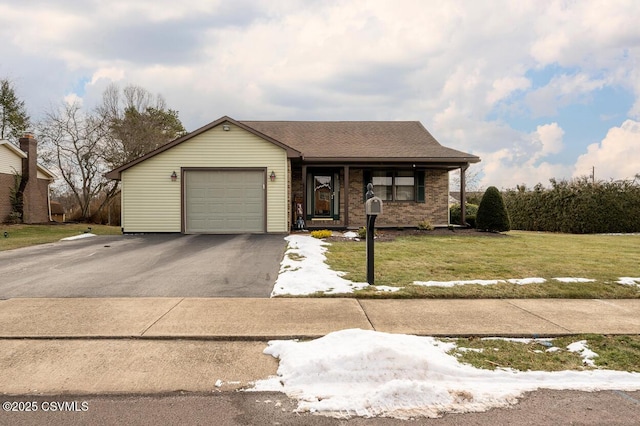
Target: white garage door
224, 201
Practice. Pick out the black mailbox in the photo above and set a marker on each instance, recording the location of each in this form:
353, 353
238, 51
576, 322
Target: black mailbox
373, 206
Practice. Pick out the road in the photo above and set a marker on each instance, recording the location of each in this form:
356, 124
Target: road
263, 408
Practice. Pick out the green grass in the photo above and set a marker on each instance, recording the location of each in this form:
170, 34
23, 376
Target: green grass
517, 254
614, 353
29, 235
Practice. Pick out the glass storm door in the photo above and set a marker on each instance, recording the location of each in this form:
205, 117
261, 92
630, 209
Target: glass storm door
322, 196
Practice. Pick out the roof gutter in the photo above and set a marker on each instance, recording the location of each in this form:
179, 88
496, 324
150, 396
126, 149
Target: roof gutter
412, 160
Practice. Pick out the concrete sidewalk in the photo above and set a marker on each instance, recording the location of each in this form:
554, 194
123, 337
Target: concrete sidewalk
159, 345
265, 319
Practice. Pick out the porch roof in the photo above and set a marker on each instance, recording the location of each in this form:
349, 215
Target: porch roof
361, 141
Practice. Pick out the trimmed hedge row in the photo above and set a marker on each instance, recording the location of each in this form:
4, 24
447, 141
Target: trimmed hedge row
578, 206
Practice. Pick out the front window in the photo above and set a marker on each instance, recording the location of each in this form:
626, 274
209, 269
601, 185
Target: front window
405, 186
394, 186
383, 185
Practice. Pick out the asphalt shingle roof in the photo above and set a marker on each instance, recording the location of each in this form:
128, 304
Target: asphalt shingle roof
339, 141
359, 139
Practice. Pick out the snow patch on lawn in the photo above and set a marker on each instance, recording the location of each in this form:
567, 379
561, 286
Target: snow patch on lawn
387, 289
455, 283
303, 270
574, 280
367, 373
79, 237
629, 281
525, 281
587, 354
517, 281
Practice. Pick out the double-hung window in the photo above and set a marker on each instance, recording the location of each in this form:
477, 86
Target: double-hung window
396, 185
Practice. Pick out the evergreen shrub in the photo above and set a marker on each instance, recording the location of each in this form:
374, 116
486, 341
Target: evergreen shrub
492, 215
456, 214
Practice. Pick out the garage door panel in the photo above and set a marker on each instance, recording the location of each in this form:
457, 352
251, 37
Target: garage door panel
224, 201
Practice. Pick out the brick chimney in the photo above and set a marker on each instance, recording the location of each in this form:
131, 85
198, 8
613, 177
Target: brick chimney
29, 185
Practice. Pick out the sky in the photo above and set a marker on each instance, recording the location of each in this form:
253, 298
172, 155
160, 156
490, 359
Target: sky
538, 89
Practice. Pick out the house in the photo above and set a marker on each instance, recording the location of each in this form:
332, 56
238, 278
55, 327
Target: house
35, 180
235, 176
58, 213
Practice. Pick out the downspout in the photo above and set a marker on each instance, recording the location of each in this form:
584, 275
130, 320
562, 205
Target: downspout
49, 200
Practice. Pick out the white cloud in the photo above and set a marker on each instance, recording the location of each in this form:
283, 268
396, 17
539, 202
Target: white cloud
505, 86
112, 74
616, 157
522, 162
561, 91
550, 138
462, 68
73, 99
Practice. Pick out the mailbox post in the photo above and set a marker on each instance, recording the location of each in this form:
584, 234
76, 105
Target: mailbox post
372, 208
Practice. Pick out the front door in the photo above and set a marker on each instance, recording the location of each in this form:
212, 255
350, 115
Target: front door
322, 196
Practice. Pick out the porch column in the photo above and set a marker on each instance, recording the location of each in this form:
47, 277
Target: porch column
304, 193
463, 195
346, 196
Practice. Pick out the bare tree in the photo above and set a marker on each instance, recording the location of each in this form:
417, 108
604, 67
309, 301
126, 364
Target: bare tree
84, 146
75, 143
473, 177
138, 123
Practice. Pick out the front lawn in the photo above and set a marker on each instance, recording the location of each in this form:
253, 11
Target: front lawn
28, 235
611, 353
515, 255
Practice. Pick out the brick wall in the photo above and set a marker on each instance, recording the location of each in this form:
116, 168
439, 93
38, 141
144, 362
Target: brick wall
435, 209
35, 191
36, 206
39, 213
6, 183
34, 197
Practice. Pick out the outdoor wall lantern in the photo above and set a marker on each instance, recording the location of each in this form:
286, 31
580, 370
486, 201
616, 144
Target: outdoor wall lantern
174, 176
272, 176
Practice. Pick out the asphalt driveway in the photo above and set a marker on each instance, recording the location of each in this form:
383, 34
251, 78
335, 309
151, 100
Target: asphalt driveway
155, 265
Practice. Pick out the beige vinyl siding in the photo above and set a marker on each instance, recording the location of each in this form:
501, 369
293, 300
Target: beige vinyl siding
151, 202
10, 163
42, 175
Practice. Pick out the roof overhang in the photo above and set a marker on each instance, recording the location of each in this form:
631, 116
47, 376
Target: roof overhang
452, 163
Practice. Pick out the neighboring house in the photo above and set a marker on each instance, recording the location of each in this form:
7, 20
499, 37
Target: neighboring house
268, 176
58, 214
36, 179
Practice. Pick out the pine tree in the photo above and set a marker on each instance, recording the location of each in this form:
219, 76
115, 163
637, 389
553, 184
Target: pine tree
492, 215
14, 121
